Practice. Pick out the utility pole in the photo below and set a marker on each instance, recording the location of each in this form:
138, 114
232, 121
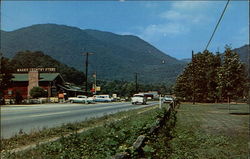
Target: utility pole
136, 82
94, 75
86, 71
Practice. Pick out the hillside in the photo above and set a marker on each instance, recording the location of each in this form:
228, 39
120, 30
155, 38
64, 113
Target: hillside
115, 56
38, 59
243, 53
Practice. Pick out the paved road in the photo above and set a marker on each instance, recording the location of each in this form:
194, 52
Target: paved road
33, 117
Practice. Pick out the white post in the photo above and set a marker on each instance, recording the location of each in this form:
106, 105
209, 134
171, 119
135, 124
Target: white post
160, 101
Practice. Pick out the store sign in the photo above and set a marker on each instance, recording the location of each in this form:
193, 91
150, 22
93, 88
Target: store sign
50, 69
98, 88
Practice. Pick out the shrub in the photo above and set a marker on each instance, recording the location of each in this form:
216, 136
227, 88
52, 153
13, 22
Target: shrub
36, 92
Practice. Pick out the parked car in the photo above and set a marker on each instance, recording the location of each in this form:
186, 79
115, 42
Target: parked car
102, 98
81, 99
139, 99
90, 100
168, 99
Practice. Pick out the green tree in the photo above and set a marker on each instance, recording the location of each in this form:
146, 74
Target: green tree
231, 77
36, 92
5, 76
197, 82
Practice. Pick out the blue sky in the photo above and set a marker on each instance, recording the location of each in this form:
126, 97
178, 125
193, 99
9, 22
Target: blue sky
174, 27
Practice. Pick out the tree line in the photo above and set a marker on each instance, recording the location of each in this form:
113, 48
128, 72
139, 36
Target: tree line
127, 89
213, 78
28, 59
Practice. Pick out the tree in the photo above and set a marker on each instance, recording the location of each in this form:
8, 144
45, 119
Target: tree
197, 82
36, 92
5, 76
231, 76
210, 77
18, 98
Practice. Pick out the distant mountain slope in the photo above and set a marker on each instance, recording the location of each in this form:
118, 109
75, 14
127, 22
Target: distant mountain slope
243, 53
115, 56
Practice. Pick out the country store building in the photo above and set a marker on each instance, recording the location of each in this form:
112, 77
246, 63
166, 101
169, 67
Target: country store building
47, 78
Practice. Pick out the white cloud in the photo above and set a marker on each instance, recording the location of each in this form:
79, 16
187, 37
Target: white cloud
179, 19
190, 12
182, 17
165, 29
155, 31
190, 5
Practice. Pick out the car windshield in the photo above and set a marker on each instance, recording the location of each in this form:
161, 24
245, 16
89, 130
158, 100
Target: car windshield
81, 96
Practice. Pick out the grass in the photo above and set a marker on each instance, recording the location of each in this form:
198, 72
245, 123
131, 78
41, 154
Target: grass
203, 131
100, 142
210, 131
48, 133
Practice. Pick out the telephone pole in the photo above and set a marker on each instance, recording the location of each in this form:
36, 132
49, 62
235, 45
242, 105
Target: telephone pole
86, 71
136, 82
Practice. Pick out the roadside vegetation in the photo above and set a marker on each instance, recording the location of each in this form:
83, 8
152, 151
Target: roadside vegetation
100, 142
192, 131
204, 131
213, 77
23, 139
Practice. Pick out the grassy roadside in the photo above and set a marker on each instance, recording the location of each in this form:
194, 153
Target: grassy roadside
204, 131
49, 133
100, 142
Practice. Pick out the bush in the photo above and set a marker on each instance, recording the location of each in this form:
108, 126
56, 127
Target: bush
36, 92
18, 98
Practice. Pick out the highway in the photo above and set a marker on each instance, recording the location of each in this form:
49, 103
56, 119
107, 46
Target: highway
34, 117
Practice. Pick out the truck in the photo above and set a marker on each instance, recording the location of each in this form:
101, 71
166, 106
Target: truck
81, 99
139, 99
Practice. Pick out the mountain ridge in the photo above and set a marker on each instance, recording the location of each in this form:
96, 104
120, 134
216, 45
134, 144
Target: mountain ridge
116, 57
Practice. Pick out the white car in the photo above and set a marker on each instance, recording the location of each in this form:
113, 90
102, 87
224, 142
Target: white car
139, 98
102, 98
168, 99
81, 99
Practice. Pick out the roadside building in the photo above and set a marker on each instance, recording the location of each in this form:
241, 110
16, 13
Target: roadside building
52, 82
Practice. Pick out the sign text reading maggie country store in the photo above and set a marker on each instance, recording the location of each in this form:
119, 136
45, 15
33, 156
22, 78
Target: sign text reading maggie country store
52, 69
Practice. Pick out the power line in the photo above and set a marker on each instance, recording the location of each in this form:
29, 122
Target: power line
217, 24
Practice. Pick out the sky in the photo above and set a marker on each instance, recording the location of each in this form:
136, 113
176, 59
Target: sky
174, 27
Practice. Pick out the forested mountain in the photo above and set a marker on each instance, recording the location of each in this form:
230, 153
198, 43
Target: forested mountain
243, 53
29, 59
116, 57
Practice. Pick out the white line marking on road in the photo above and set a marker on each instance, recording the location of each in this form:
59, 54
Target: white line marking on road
48, 114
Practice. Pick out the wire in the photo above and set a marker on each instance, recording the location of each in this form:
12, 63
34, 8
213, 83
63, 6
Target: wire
217, 24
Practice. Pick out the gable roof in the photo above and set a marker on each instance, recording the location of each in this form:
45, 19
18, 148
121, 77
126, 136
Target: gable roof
42, 77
